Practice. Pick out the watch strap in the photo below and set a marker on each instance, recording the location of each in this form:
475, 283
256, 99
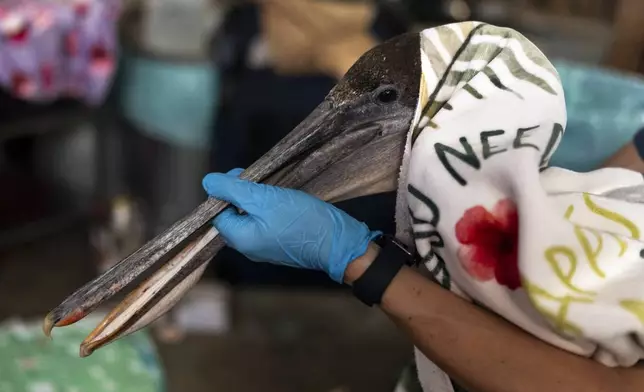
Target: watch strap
371, 286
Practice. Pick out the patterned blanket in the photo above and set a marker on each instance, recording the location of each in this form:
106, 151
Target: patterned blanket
557, 253
54, 48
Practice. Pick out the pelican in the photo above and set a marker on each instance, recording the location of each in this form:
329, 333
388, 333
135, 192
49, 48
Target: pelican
351, 145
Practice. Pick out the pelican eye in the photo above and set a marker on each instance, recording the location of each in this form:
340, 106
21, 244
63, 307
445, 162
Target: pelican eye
387, 95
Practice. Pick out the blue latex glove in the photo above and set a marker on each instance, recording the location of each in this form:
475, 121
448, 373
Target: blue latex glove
286, 226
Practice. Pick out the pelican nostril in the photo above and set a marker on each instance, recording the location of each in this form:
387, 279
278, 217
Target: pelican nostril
387, 96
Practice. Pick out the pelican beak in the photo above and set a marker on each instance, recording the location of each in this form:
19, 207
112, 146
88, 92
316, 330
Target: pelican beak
325, 140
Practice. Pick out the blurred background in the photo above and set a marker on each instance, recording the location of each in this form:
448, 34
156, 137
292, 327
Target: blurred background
111, 112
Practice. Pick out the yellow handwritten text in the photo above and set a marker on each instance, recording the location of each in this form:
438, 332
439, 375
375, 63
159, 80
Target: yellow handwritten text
634, 306
565, 277
560, 318
612, 216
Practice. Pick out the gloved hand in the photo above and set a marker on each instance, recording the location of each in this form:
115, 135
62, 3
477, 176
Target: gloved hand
286, 226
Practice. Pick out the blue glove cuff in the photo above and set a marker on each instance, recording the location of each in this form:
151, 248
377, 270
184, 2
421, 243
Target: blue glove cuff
337, 269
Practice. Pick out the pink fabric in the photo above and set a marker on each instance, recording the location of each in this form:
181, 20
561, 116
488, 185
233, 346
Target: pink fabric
55, 48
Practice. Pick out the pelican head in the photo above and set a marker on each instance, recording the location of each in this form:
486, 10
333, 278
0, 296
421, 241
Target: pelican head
351, 145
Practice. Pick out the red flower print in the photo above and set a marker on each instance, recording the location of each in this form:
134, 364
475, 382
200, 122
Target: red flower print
71, 44
21, 85
81, 8
100, 60
490, 243
16, 29
47, 75
99, 53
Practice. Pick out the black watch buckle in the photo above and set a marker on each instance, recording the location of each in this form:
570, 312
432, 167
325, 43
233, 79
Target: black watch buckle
411, 258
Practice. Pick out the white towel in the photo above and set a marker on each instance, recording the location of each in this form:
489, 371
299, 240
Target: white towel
555, 252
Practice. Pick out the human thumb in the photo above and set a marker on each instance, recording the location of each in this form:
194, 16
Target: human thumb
232, 226
242, 193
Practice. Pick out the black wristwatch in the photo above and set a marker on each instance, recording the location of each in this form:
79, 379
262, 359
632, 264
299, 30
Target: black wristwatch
371, 286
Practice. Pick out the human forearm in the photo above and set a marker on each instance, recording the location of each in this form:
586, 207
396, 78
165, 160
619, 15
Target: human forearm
629, 156
481, 351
